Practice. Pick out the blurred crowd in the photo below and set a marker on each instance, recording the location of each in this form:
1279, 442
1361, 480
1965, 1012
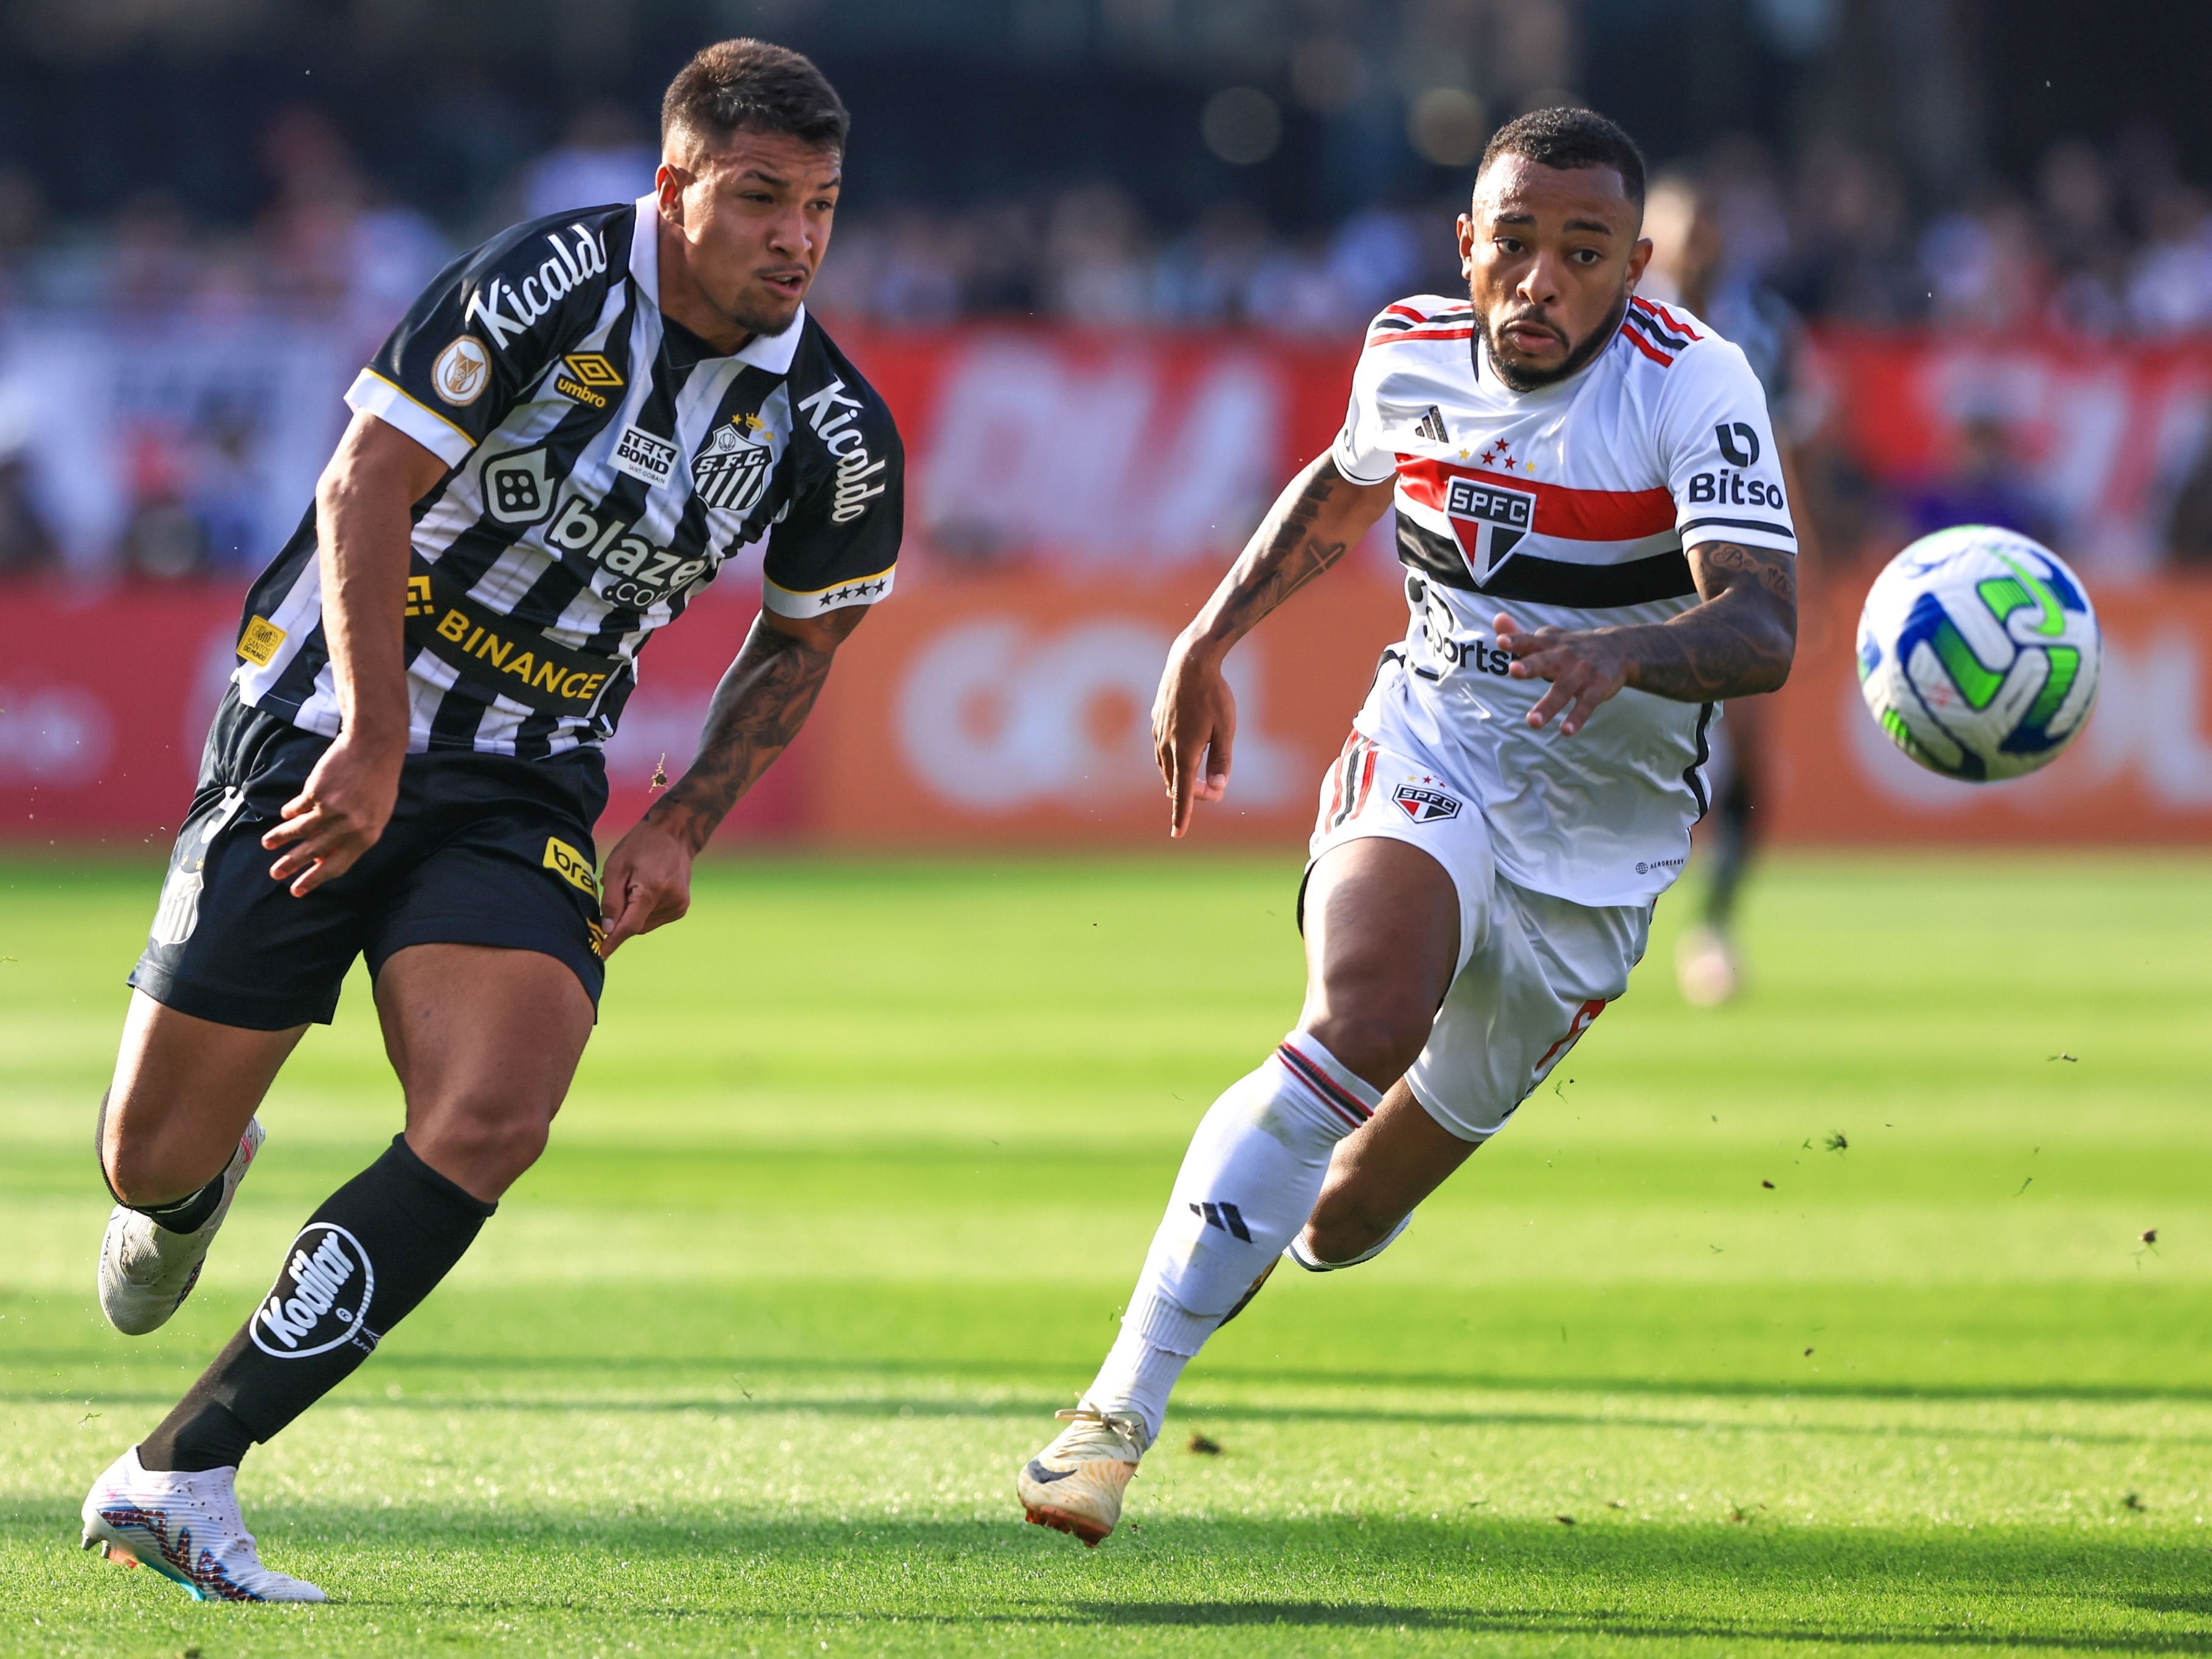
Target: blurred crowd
2101, 243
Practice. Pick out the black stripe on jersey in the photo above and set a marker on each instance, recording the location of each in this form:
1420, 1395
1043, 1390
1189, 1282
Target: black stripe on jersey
1389, 322
1547, 581
1650, 325
1767, 524
478, 548
1704, 753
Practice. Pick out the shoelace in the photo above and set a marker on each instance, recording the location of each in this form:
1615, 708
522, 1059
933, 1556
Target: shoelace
1124, 1428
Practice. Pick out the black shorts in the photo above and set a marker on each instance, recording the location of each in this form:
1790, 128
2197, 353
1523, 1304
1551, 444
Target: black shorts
482, 849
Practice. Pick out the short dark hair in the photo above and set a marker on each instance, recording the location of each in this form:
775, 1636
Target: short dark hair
753, 86
1566, 136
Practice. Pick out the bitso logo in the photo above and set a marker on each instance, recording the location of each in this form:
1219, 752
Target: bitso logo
463, 371
1425, 806
587, 377
321, 1298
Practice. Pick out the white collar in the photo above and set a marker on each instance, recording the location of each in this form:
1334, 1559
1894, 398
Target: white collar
772, 352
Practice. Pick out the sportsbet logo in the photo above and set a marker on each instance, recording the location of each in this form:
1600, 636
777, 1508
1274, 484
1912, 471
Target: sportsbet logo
572, 867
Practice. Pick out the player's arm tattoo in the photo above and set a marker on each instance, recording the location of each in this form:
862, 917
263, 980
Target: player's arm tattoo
1312, 525
756, 711
1738, 642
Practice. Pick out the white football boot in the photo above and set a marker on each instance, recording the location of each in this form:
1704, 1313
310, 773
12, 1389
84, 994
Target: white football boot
146, 1271
187, 1528
1075, 1484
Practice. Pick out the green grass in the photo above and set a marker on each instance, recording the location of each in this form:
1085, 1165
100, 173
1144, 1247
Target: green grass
864, 1158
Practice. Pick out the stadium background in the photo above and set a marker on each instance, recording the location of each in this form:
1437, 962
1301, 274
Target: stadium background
1110, 259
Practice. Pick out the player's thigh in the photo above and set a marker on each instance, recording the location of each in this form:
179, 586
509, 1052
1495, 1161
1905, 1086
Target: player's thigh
1547, 970
184, 1089
485, 1041
1392, 901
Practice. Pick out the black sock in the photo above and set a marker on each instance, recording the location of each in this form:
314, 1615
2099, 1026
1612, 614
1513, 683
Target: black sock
186, 1215
377, 1246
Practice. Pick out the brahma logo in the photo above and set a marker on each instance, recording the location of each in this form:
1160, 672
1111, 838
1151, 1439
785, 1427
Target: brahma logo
321, 1298
1425, 806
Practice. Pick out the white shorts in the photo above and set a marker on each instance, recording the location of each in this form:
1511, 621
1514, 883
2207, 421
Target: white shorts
1533, 970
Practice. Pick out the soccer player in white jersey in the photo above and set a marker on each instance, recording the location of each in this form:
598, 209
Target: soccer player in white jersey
1598, 551
551, 455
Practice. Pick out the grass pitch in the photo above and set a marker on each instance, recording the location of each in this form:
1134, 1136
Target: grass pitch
863, 1160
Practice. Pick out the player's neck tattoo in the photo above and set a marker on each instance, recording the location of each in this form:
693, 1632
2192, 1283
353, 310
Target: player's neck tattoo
1577, 359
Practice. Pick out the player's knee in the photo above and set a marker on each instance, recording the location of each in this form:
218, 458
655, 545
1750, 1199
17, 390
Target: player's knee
1372, 1038
494, 1137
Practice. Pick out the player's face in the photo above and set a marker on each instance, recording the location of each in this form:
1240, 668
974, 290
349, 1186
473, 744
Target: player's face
752, 214
1551, 256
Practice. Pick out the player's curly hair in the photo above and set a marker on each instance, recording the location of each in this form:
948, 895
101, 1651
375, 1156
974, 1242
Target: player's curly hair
1567, 136
754, 85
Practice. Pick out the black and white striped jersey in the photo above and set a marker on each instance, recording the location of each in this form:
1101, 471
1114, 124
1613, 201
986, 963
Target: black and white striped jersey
604, 462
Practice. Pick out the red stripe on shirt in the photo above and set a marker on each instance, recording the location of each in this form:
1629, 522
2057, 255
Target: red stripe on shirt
1422, 334
1673, 325
1630, 333
1563, 511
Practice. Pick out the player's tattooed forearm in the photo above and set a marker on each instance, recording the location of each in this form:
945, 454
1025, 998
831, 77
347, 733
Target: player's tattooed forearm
1283, 555
757, 710
1775, 572
1737, 644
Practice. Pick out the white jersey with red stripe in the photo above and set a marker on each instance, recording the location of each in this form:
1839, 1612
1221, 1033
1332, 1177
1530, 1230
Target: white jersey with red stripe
1570, 505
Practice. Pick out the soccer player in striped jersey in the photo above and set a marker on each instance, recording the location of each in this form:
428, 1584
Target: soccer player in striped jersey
1598, 551
552, 455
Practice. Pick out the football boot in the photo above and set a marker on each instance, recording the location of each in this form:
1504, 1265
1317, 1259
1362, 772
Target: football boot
185, 1527
1075, 1484
146, 1271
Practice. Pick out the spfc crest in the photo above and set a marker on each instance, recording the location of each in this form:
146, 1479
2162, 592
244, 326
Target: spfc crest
1489, 521
731, 471
1425, 806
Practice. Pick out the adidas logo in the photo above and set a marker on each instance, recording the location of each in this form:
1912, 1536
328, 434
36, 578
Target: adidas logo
1431, 426
1223, 1216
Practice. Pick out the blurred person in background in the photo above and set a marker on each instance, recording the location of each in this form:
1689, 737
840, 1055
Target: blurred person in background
1984, 482
605, 158
1691, 265
27, 545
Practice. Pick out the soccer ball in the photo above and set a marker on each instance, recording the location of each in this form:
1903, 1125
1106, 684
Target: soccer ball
1978, 653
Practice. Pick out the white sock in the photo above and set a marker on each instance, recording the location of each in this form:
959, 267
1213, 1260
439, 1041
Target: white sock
1246, 1187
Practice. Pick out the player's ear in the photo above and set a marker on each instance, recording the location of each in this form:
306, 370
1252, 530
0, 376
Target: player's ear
1638, 257
1467, 245
669, 184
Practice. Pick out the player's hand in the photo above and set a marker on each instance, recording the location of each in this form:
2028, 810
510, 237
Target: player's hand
1584, 666
648, 884
1193, 729
338, 815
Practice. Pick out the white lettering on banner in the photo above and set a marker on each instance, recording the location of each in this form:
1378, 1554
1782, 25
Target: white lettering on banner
59, 735
994, 717
2148, 723
1030, 449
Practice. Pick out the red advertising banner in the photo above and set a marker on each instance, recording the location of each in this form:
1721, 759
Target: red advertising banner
1073, 496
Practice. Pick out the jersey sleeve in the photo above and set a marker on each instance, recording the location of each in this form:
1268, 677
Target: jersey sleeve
480, 337
1716, 447
838, 543
1360, 451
